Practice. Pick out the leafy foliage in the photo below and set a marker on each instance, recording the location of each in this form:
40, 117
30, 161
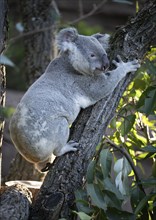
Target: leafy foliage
6, 112
85, 29
119, 185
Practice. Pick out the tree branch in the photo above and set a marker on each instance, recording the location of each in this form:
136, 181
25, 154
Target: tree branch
94, 9
66, 175
39, 30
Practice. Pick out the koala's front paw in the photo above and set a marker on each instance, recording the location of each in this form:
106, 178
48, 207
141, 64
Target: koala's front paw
120, 62
133, 65
130, 66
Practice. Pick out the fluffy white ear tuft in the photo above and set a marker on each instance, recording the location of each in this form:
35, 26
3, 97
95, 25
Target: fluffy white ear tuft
103, 39
65, 39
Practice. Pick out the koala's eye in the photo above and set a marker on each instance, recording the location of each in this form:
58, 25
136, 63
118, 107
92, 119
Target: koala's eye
92, 55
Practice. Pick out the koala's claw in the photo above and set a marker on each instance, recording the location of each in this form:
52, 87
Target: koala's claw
133, 65
47, 167
70, 146
135, 62
119, 58
119, 61
129, 66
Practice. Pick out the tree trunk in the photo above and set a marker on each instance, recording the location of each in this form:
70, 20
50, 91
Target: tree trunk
40, 20
3, 32
66, 175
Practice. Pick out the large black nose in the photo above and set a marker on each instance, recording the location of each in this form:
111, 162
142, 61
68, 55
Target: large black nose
105, 62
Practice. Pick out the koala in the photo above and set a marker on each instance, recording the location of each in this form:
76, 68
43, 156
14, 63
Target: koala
77, 78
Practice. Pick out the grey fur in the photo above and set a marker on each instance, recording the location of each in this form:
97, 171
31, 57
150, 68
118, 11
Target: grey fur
74, 80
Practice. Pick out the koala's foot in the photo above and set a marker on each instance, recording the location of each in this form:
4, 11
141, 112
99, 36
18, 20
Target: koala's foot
70, 146
130, 66
47, 167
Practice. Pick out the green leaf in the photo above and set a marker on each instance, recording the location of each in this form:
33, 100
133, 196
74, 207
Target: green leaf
115, 214
82, 201
149, 182
127, 124
96, 196
6, 61
140, 84
122, 165
122, 168
136, 196
109, 186
149, 149
91, 171
106, 162
142, 204
147, 101
83, 216
113, 200
150, 65
113, 123
6, 112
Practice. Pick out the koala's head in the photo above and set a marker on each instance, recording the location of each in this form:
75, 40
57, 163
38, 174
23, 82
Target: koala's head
87, 54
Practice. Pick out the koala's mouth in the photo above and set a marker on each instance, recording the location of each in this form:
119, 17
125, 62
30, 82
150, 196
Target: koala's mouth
102, 69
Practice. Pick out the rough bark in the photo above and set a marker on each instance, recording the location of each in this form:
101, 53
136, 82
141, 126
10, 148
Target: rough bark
56, 197
15, 203
40, 20
3, 32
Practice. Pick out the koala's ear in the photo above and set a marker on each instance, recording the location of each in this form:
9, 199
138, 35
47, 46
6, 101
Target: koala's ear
103, 39
66, 38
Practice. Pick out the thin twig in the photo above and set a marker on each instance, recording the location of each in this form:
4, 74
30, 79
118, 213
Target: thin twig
126, 154
14, 39
94, 9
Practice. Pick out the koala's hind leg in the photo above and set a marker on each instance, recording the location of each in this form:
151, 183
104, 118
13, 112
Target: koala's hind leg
69, 146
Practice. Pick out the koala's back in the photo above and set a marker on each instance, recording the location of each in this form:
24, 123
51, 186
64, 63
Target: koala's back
51, 95
35, 118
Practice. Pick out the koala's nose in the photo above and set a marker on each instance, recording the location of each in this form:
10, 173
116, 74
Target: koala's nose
105, 62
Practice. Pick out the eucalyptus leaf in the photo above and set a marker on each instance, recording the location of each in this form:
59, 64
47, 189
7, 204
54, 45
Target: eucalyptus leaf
6, 112
127, 124
140, 84
149, 148
147, 101
114, 201
106, 162
91, 171
81, 201
118, 166
109, 186
83, 216
114, 214
122, 168
151, 67
96, 196
20, 27
6, 61
136, 196
143, 203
